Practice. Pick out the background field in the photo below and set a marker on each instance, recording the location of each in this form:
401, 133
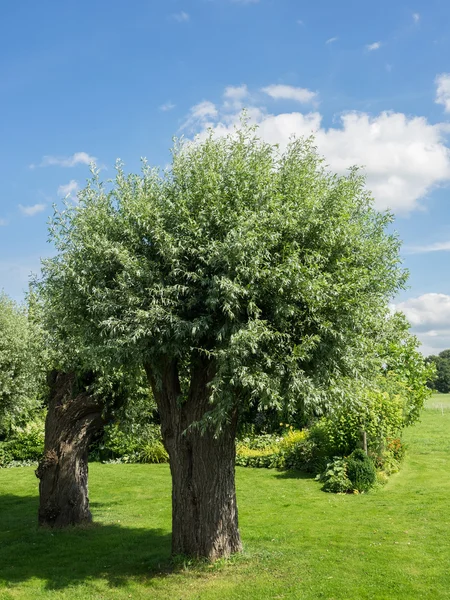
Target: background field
299, 541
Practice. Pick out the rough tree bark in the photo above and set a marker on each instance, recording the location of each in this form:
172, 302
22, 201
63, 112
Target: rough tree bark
204, 509
73, 418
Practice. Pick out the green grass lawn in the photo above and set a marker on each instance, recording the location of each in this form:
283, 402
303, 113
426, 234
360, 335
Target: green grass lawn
299, 542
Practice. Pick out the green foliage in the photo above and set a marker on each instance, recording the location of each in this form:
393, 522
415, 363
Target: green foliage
133, 434
22, 366
335, 477
131, 442
360, 470
389, 457
153, 452
277, 271
384, 406
440, 379
355, 473
24, 444
273, 451
299, 450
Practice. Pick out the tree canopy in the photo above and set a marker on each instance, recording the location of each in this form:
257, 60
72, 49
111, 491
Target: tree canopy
264, 262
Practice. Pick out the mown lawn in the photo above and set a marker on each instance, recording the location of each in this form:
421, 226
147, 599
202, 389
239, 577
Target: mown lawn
299, 542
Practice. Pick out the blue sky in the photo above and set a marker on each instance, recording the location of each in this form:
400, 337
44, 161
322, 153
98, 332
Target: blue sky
107, 79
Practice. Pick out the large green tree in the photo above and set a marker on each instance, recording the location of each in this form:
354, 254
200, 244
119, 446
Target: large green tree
239, 275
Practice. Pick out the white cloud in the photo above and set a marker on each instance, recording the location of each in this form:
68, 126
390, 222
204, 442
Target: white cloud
235, 95
167, 106
236, 92
79, 158
374, 46
436, 247
429, 316
69, 190
331, 40
200, 115
3, 222
443, 90
30, 211
181, 17
289, 92
416, 17
404, 158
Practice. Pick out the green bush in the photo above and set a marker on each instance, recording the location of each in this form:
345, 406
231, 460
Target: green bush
153, 452
389, 455
292, 450
139, 443
335, 477
361, 470
25, 444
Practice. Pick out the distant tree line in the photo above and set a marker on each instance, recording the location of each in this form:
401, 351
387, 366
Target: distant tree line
441, 380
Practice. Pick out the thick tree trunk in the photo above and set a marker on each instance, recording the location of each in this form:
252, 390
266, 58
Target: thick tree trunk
204, 509
72, 419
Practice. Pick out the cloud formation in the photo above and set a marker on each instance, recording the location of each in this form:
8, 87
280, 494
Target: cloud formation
436, 247
31, 211
78, 158
443, 90
235, 95
374, 46
404, 157
200, 115
69, 190
289, 92
429, 316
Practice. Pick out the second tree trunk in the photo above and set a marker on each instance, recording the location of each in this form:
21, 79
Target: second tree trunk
72, 420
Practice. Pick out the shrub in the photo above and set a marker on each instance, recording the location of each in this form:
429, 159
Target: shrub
140, 443
335, 477
153, 452
299, 450
389, 455
25, 444
361, 470
272, 451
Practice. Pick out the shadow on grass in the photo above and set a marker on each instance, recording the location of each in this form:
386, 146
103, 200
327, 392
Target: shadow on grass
293, 474
68, 557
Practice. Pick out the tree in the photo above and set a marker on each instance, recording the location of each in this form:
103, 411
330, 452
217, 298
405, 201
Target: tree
441, 379
21, 368
240, 275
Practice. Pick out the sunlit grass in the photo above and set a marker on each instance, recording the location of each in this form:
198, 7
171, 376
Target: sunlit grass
299, 542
